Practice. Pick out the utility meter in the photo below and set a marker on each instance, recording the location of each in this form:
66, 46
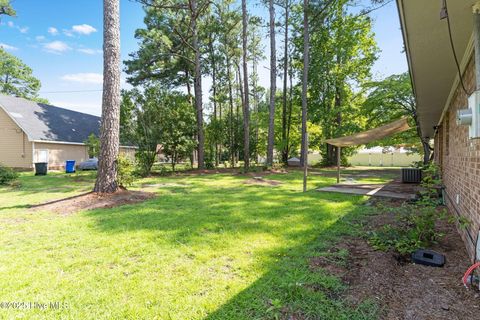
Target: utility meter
471, 117
464, 117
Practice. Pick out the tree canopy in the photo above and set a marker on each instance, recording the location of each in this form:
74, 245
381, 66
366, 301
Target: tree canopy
389, 100
185, 43
16, 78
6, 8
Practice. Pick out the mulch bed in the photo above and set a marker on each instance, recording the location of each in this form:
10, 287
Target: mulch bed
92, 200
405, 290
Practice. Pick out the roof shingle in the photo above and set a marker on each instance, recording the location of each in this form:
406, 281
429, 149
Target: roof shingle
49, 123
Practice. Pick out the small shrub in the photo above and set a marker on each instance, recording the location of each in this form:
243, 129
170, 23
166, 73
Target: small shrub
431, 185
7, 175
415, 230
209, 164
93, 145
145, 161
163, 170
126, 171
278, 166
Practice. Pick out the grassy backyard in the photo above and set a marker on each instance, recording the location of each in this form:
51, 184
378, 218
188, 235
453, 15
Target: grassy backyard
207, 247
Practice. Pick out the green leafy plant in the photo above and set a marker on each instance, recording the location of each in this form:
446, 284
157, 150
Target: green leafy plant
144, 162
431, 185
93, 145
463, 222
209, 161
415, 229
126, 171
7, 175
275, 308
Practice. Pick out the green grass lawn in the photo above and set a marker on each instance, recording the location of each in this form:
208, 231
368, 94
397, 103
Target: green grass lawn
208, 247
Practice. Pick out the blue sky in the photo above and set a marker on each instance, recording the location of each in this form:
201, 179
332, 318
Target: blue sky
62, 41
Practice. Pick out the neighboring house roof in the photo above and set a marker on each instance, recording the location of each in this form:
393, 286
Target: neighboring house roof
42, 122
429, 53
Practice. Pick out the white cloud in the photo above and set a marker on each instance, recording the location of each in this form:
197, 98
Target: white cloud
53, 31
83, 29
40, 38
21, 29
8, 47
56, 47
89, 51
89, 78
68, 33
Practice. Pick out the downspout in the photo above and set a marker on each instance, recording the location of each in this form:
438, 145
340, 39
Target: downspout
476, 39
33, 154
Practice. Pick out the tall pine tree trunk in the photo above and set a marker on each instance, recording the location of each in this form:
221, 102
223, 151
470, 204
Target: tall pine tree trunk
237, 114
306, 52
246, 100
285, 79
255, 110
290, 108
110, 125
214, 89
197, 86
230, 122
273, 84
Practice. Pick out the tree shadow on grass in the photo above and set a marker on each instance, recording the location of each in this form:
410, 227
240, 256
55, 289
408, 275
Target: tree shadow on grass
293, 289
304, 223
32, 189
20, 206
192, 215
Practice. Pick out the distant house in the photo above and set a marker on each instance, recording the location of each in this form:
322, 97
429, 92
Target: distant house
447, 93
34, 132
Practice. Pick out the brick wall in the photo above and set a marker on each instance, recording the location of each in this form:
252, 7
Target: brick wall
459, 158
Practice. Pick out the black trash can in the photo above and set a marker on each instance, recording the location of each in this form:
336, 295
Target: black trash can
41, 168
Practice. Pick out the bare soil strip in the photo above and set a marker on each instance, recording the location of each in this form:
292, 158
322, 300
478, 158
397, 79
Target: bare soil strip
91, 200
405, 290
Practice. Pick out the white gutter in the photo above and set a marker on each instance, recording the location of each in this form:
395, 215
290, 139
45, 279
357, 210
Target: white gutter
59, 142
33, 154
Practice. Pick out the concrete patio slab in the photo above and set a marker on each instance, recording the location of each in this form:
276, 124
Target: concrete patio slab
395, 190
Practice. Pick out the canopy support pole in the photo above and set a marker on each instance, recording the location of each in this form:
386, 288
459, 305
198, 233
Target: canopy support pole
338, 164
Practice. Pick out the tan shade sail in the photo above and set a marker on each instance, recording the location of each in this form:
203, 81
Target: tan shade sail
368, 136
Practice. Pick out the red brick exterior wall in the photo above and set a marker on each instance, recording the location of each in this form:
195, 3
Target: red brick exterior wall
459, 159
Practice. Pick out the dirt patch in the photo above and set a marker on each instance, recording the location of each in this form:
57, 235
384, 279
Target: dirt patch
210, 171
91, 200
164, 185
260, 181
234, 171
405, 290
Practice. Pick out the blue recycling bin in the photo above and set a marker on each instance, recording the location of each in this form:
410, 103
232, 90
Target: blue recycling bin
70, 166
